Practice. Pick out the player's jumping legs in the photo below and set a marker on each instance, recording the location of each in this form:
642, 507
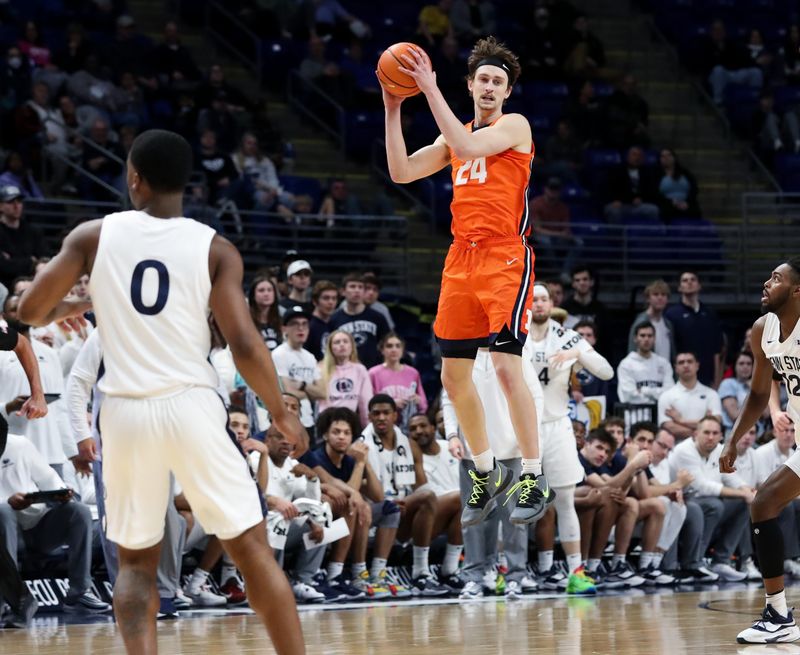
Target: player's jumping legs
268, 590
136, 598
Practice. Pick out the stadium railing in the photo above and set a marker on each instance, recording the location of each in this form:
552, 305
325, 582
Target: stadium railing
635, 412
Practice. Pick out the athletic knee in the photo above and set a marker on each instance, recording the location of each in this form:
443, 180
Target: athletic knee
631, 506
507, 372
454, 384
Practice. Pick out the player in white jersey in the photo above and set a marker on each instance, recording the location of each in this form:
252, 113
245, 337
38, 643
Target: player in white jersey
554, 351
156, 276
775, 341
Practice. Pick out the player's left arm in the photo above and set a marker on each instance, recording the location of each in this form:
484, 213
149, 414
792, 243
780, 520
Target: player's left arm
513, 131
593, 361
419, 470
44, 301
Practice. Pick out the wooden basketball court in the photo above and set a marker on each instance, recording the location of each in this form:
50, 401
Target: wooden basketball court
667, 622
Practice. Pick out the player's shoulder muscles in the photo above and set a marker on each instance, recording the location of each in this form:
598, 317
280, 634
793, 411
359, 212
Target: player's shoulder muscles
755, 337
82, 242
224, 262
517, 127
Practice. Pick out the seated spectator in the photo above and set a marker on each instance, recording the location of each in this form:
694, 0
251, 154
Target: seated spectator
218, 117
316, 67
331, 19
131, 107
790, 52
399, 381
643, 375
366, 325
91, 86
45, 527
32, 45
734, 390
346, 379
262, 299
602, 504
434, 23
397, 461
293, 498
563, 153
130, 50
551, 224
442, 470
627, 115
556, 289
542, 48
723, 61
16, 174
372, 292
759, 53
218, 167
724, 498
633, 190
253, 165
338, 201
298, 282
584, 54
449, 66
236, 100
172, 61
472, 20
684, 405
585, 112
770, 132
656, 296
15, 79
106, 164
343, 463
324, 297
584, 305
72, 57
677, 189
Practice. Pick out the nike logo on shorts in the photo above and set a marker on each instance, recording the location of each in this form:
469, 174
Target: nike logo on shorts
511, 261
501, 343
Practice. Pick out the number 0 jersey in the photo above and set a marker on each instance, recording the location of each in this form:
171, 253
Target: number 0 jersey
150, 288
785, 359
490, 194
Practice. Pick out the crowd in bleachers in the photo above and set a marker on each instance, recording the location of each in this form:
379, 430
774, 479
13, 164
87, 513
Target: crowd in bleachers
382, 454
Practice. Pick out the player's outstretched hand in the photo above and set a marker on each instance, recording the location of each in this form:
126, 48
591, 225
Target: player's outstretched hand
727, 461
417, 64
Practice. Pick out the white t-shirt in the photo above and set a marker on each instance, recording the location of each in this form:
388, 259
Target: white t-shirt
732, 388
23, 470
643, 379
747, 467
692, 404
50, 434
283, 483
661, 471
299, 365
441, 470
394, 468
769, 459
708, 480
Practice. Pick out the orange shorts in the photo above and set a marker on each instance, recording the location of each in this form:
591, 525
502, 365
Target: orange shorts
486, 285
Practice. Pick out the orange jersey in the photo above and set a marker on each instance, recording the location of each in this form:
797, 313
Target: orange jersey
490, 194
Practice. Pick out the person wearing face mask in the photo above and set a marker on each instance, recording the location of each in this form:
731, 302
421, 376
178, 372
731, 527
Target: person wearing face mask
15, 79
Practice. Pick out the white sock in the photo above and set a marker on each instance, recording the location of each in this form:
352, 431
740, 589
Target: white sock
198, 579
657, 557
778, 602
484, 462
545, 560
617, 558
533, 466
420, 561
228, 572
645, 559
378, 564
573, 562
452, 556
357, 568
335, 569
592, 564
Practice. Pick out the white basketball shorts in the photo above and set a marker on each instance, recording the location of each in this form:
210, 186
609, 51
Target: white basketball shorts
145, 438
560, 461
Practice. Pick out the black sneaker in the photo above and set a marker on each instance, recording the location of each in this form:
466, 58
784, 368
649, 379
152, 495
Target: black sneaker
485, 488
622, 575
533, 497
454, 583
426, 585
24, 614
350, 592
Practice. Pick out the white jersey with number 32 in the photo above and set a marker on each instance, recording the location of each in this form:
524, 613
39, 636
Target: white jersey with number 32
554, 380
785, 359
150, 287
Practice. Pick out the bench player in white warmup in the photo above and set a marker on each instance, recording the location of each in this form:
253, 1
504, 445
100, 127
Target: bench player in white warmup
775, 341
155, 278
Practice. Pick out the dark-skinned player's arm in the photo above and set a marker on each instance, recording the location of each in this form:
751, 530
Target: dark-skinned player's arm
250, 353
424, 162
419, 470
44, 301
35, 406
511, 132
756, 401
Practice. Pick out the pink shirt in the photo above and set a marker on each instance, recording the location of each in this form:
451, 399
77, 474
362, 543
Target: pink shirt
400, 384
349, 387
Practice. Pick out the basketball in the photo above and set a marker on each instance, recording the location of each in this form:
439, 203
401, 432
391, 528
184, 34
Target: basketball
391, 77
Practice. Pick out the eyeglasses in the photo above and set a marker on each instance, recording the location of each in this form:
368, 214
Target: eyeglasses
663, 445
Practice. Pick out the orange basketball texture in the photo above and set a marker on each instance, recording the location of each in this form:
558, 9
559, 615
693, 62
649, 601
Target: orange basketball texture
393, 80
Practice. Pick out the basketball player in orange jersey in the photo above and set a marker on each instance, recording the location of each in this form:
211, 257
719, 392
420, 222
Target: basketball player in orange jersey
487, 282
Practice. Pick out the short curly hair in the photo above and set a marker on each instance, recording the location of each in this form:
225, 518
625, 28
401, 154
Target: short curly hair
491, 47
